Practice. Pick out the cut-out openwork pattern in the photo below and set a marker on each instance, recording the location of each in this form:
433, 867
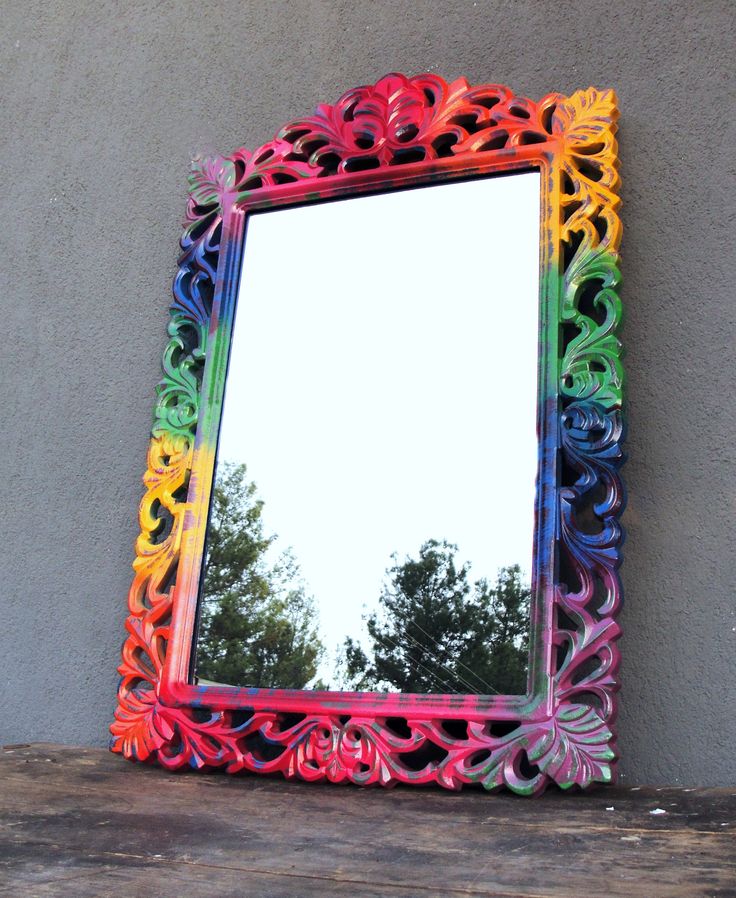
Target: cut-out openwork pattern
401, 131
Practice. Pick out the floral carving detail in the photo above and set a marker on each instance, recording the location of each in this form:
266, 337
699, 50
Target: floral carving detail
210, 179
403, 121
572, 747
418, 118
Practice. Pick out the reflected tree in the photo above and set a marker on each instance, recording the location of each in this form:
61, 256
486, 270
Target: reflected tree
436, 631
257, 626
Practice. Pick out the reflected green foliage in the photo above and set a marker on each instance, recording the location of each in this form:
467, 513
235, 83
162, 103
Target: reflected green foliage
436, 631
258, 627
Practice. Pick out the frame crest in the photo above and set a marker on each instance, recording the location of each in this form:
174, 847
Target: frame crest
397, 132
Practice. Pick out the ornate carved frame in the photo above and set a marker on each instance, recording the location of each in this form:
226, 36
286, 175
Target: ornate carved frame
401, 132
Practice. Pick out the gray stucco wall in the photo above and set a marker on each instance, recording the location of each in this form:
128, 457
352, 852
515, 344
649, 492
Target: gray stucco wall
103, 106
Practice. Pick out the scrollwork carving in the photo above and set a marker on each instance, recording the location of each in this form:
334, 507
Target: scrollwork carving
409, 121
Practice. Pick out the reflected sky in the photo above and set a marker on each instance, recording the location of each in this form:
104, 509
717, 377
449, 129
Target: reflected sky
382, 383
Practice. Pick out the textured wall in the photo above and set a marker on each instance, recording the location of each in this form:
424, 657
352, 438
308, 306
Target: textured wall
103, 105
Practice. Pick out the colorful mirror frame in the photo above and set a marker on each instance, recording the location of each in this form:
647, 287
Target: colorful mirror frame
401, 132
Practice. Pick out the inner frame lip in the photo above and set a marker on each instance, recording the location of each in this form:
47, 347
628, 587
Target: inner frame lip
177, 686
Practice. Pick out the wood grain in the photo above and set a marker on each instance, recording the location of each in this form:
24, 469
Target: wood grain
82, 822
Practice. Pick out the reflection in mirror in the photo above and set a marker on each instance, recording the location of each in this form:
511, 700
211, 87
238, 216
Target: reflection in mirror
372, 516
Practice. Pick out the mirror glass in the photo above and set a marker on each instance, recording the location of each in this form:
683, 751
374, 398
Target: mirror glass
372, 518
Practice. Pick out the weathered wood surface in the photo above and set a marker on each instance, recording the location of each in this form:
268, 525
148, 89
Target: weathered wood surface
83, 823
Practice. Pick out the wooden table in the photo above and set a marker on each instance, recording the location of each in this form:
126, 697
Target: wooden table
82, 822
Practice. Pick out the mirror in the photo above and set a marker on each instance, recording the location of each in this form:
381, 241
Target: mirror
386, 451
372, 519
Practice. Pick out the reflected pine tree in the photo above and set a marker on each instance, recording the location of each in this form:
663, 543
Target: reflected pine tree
435, 631
257, 626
